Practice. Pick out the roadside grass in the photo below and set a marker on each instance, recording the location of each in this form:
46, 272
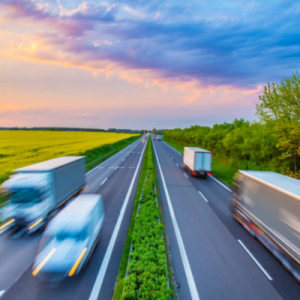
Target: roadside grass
176, 146
220, 167
94, 154
222, 170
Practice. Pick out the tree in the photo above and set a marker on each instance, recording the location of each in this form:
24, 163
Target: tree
280, 108
154, 130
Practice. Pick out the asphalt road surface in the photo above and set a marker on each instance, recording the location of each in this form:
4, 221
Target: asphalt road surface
116, 180
214, 257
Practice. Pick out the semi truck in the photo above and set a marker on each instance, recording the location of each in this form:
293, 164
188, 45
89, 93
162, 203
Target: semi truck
159, 138
267, 205
197, 161
33, 193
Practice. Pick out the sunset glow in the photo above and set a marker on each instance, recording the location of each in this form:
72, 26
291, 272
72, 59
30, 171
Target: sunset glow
139, 64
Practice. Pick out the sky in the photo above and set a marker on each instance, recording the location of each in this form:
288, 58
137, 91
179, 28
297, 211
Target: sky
141, 64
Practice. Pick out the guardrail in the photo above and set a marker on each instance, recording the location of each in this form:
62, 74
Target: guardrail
101, 158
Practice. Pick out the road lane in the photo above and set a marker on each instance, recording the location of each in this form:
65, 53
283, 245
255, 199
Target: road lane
218, 199
113, 191
220, 266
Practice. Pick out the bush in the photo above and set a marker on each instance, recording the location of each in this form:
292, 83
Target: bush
147, 268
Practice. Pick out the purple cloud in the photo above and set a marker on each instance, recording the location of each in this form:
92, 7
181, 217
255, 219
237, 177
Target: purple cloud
176, 40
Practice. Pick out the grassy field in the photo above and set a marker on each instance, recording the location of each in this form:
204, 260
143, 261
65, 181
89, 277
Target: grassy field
22, 148
220, 168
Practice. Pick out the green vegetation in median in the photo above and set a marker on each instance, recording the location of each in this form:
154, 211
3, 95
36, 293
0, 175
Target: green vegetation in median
143, 272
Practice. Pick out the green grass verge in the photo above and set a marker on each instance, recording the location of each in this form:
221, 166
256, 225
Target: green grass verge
175, 146
223, 170
220, 168
94, 154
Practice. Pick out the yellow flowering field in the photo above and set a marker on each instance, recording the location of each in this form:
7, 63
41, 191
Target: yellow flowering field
22, 148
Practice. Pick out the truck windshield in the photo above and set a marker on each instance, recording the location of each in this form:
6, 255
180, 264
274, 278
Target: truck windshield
25, 195
60, 236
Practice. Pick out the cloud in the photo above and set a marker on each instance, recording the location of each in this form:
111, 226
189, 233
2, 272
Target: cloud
238, 44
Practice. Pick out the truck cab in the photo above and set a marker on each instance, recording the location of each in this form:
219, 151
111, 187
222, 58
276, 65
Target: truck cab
28, 198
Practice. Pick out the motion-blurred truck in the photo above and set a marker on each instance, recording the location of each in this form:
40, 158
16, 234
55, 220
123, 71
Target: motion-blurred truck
197, 161
267, 204
35, 192
159, 138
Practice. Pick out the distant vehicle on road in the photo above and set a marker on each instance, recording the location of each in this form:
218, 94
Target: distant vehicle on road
197, 161
267, 204
159, 138
70, 238
153, 139
35, 192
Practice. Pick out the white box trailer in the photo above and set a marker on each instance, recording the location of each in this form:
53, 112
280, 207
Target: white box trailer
267, 204
197, 161
35, 191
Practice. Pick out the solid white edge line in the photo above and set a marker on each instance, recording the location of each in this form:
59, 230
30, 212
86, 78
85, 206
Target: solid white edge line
103, 181
254, 259
1, 293
203, 196
223, 185
185, 175
100, 277
173, 148
95, 168
185, 261
116, 167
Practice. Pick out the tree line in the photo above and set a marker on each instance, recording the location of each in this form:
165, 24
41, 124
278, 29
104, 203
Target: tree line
75, 129
270, 144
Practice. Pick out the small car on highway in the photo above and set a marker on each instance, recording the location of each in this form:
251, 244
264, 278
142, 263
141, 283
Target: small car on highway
70, 238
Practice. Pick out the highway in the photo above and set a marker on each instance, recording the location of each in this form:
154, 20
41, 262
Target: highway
213, 256
116, 180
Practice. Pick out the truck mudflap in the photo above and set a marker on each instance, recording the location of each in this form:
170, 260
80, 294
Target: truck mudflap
256, 231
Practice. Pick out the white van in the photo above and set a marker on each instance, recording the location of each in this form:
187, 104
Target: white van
70, 238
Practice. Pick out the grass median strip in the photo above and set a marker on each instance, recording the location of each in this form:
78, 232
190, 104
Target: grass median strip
143, 272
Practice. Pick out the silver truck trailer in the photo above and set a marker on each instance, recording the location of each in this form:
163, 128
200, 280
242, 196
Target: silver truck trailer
267, 204
34, 192
197, 161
